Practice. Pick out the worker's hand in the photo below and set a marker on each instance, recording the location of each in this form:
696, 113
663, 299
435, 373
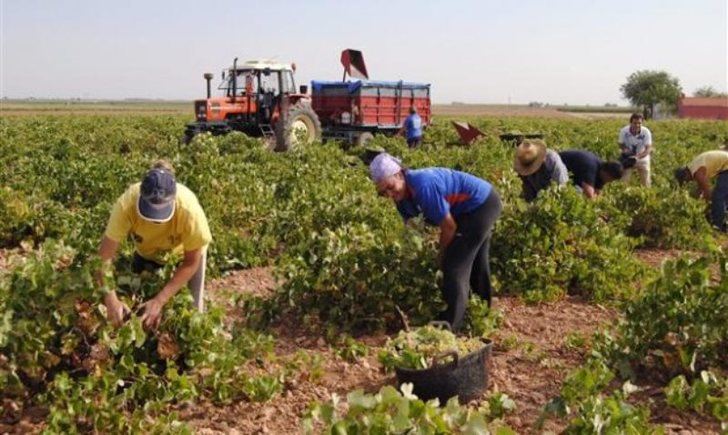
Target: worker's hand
115, 310
706, 195
152, 313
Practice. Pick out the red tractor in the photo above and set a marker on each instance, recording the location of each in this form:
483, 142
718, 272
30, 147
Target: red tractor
261, 100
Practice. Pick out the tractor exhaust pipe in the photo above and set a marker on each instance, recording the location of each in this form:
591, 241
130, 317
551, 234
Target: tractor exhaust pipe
235, 78
208, 77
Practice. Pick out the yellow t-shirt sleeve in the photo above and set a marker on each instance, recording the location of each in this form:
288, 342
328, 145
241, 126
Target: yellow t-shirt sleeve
197, 230
696, 164
119, 223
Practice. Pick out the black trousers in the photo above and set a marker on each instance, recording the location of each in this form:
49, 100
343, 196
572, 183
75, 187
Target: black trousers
466, 263
414, 142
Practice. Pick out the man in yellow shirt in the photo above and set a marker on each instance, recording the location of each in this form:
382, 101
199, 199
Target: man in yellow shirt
163, 217
704, 167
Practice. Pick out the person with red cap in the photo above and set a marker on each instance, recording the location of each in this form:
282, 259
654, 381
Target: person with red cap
163, 217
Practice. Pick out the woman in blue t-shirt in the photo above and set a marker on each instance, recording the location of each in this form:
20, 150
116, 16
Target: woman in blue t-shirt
464, 207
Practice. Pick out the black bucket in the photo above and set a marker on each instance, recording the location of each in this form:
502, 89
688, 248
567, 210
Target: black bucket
465, 377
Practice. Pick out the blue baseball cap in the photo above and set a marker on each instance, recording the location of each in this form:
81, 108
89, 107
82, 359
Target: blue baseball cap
157, 196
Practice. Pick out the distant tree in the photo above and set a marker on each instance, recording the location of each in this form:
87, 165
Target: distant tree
648, 88
709, 91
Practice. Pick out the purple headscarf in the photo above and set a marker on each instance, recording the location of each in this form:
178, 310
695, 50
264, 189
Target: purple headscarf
383, 166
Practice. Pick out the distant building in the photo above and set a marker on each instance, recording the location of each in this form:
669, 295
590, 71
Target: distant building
703, 108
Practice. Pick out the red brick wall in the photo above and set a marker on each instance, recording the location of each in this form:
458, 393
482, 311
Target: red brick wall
703, 112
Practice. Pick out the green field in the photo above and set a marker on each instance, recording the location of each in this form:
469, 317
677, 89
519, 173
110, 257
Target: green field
343, 267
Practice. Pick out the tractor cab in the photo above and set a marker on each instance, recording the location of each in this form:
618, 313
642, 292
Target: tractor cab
263, 82
256, 76
258, 98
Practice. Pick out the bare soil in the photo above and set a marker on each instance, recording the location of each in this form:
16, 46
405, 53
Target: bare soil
535, 349
656, 256
4, 254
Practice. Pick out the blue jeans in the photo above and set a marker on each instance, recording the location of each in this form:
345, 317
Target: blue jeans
718, 201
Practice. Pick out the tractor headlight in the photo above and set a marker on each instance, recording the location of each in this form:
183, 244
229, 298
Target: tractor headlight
346, 118
201, 112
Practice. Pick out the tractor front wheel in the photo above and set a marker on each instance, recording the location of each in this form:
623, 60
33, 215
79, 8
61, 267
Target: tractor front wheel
300, 126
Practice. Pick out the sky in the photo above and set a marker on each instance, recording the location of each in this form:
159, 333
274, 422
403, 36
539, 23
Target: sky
486, 51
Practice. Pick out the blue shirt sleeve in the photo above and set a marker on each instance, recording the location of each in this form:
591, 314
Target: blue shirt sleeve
433, 204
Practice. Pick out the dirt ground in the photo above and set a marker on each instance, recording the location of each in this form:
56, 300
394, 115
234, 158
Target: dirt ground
534, 350
4, 259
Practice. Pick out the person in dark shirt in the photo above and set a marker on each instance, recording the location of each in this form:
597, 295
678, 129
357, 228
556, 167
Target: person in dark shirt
590, 173
538, 167
465, 208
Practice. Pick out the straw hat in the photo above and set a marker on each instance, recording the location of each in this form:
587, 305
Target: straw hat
530, 155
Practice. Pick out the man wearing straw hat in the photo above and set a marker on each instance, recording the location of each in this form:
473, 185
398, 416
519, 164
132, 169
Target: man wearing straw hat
538, 167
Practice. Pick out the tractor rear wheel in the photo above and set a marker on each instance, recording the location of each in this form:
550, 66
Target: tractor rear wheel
300, 126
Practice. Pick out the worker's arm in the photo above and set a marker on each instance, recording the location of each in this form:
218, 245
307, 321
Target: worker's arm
447, 234
648, 145
701, 178
589, 190
621, 140
153, 307
403, 130
646, 152
528, 192
115, 309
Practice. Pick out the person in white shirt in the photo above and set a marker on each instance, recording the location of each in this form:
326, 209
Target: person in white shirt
635, 141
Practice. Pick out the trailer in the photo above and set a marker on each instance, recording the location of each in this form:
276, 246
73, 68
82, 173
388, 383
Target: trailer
357, 110
260, 99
